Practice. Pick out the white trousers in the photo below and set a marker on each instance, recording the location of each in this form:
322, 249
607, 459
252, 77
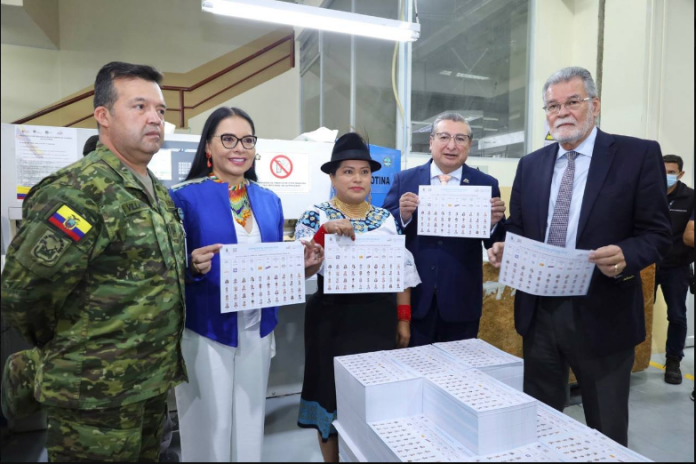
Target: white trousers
223, 406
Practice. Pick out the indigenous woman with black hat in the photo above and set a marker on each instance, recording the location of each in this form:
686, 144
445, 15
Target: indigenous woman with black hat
339, 325
222, 407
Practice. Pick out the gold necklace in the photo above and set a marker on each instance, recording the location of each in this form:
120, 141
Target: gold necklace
352, 211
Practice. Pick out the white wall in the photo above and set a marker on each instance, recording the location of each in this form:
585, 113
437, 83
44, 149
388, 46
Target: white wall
172, 35
30, 80
274, 106
676, 92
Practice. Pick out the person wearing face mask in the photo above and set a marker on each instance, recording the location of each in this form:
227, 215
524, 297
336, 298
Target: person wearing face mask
222, 407
340, 325
674, 271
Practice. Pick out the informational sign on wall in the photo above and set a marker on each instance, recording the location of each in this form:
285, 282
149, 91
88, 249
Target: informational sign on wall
383, 179
41, 151
161, 165
548, 138
284, 172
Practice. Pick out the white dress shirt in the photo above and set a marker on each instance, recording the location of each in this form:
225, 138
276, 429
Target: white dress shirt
582, 169
248, 319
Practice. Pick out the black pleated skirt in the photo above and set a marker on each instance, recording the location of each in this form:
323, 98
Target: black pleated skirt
339, 325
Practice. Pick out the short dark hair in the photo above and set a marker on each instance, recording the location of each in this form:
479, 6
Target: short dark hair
104, 90
674, 159
90, 145
200, 168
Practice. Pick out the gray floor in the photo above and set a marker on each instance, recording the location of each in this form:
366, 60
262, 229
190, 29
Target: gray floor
662, 425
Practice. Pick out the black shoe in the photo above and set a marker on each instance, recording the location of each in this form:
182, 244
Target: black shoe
673, 373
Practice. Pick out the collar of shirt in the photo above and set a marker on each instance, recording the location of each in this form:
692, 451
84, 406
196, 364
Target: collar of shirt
435, 172
586, 148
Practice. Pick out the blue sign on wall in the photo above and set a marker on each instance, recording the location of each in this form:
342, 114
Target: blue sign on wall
383, 179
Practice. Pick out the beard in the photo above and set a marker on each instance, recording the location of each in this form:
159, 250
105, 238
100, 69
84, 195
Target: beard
572, 134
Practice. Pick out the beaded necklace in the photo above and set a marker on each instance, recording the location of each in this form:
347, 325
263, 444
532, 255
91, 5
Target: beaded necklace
352, 211
239, 201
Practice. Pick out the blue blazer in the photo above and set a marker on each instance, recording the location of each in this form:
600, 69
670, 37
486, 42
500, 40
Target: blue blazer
453, 266
625, 204
208, 220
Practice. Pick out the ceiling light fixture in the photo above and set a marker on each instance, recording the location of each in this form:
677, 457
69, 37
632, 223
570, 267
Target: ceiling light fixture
315, 18
473, 77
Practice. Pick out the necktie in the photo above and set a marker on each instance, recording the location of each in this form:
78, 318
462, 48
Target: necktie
444, 179
559, 224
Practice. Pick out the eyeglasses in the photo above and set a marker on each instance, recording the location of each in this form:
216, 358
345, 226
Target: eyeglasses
230, 141
572, 105
459, 139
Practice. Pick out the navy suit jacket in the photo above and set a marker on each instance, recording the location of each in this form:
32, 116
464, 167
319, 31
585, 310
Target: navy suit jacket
625, 204
453, 266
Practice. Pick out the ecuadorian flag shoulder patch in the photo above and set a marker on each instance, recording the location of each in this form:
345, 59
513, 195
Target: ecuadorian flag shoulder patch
70, 223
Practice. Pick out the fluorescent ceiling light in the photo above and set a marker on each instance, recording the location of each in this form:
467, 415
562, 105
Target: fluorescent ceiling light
473, 77
445, 73
315, 18
491, 119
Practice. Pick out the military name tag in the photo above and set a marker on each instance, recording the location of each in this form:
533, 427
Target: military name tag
134, 206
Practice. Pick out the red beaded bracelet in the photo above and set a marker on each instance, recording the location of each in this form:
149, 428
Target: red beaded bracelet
404, 312
319, 236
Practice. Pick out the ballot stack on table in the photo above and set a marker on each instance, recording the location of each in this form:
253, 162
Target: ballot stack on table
477, 354
454, 402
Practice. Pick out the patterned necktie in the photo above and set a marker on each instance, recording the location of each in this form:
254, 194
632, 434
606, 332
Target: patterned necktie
559, 224
444, 179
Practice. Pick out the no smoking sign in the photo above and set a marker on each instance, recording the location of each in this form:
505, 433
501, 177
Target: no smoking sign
281, 167
284, 172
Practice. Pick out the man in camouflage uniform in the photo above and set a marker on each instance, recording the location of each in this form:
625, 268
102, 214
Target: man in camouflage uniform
95, 279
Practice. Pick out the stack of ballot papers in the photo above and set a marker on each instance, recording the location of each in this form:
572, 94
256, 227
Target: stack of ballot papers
483, 356
348, 451
370, 387
552, 423
530, 453
440, 404
423, 361
483, 414
590, 447
412, 439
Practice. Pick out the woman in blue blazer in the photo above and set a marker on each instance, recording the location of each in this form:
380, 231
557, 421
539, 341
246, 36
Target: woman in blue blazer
222, 407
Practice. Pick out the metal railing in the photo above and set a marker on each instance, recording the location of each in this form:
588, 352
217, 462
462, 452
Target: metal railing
183, 90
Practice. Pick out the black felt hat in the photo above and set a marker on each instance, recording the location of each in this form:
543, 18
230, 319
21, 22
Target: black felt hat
350, 147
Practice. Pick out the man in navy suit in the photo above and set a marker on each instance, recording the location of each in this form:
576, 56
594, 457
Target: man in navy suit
447, 305
590, 191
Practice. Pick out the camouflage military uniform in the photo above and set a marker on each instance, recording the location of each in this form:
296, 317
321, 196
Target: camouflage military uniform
95, 278
18, 385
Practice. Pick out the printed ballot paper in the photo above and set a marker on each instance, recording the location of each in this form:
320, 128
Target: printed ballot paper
261, 276
370, 264
545, 270
446, 211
